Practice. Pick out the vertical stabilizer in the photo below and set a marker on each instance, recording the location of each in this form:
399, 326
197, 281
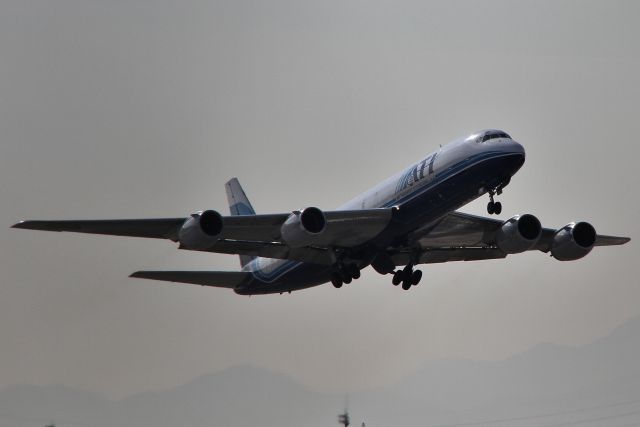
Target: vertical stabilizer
239, 204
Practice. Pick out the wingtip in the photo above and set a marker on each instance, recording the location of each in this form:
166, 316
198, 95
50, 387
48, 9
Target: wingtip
147, 274
37, 225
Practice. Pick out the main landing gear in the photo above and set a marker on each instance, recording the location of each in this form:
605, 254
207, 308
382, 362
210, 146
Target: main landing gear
407, 276
345, 274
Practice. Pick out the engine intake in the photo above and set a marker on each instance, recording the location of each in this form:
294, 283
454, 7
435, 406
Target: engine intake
211, 223
201, 230
303, 228
518, 234
573, 241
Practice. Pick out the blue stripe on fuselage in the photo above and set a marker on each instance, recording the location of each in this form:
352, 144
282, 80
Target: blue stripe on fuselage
281, 268
448, 173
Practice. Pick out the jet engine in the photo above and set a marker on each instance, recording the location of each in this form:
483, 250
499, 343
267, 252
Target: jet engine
573, 241
518, 234
302, 228
201, 230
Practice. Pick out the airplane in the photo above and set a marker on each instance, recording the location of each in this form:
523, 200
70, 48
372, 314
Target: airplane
409, 219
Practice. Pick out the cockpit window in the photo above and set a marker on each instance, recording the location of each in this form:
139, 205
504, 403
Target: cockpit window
494, 135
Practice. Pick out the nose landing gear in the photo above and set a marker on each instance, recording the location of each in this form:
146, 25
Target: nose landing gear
493, 207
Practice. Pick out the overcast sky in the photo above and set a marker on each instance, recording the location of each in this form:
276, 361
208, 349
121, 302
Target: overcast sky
118, 109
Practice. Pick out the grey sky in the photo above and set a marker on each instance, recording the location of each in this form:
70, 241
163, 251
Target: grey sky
145, 109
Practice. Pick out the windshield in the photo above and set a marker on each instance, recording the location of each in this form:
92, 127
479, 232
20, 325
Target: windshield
494, 134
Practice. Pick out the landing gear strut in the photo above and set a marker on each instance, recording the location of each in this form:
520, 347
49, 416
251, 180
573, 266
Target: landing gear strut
494, 207
407, 276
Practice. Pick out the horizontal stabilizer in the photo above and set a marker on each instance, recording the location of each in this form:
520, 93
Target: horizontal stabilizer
218, 279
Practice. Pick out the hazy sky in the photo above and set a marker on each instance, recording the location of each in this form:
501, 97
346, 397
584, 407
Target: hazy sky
116, 109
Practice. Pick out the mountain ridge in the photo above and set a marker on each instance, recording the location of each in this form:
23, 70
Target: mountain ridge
544, 378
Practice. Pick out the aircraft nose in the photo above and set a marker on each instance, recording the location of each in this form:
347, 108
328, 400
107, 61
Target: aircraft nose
517, 148
518, 155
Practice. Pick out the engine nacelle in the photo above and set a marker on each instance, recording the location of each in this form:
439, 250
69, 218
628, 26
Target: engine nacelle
573, 241
518, 234
303, 228
201, 230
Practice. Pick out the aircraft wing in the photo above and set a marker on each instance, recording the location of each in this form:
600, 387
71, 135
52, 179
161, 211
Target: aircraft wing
259, 227
254, 235
464, 237
160, 228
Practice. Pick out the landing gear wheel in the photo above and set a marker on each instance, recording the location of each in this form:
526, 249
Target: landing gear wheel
336, 281
354, 271
494, 207
415, 277
397, 277
344, 274
408, 270
407, 275
497, 208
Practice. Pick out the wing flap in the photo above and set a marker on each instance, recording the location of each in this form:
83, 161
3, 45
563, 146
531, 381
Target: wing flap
354, 227
456, 230
275, 250
440, 255
218, 279
263, 227
343, 228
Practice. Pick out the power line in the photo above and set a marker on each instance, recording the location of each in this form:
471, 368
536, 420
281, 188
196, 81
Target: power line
543, 415
590, 420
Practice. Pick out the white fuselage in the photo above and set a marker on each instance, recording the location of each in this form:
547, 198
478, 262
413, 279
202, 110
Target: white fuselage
431, 176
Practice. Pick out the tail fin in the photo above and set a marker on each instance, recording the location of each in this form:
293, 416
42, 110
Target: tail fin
239, 204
